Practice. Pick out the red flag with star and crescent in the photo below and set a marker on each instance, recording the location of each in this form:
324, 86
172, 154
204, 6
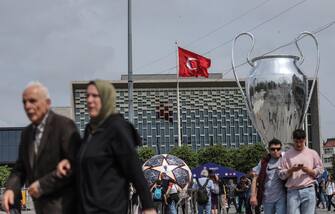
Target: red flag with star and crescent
192, 64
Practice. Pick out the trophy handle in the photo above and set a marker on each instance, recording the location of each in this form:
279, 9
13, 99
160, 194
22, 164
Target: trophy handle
302, 35
249, 62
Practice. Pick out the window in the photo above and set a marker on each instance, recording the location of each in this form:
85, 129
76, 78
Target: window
202, 140
206, 121
193, 128
328, 151
206, 132
228, 139
328, 160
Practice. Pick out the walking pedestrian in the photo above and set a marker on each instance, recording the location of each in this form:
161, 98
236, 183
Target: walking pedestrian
267, 187
299, 167
107, 160
44, 142
330, 191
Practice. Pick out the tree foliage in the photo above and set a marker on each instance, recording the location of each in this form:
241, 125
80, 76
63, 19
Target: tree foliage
216, 154
4, 173
145, 153
246, 157
242, 159
186, 154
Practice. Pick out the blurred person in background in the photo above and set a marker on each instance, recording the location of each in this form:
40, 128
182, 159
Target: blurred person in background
330, 191
203, 187
242, 189
172, 197
231, 194
321, 192
214, 193
158, 195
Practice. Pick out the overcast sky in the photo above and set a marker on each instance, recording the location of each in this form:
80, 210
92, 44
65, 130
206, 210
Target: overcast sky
59, 41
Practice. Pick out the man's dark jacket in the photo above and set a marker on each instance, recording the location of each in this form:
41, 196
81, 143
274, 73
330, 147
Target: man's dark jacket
60, 140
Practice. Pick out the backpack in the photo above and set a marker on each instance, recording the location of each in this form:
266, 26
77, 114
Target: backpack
157, 194
202, 194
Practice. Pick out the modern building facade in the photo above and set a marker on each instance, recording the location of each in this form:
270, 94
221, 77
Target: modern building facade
65, 111
329, 153
9, 144
212, 111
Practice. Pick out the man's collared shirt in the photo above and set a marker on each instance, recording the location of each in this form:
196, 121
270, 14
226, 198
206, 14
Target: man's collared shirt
39, 130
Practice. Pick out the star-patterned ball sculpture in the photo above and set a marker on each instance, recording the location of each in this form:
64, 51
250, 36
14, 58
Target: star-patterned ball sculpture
173, 167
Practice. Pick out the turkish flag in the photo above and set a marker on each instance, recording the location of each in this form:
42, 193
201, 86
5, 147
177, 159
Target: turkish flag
192, 64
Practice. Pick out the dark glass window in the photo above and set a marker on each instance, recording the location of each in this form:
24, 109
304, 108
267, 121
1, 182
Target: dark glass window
9, 144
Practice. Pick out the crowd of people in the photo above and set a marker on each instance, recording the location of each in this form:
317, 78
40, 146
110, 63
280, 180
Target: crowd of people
283, 182
325, 190
206, 194
65, 173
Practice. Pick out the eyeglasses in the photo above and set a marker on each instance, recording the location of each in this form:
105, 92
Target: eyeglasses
275, 149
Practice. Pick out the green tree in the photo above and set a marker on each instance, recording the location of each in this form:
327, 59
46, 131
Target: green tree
145, 153
246, 157
216, 154
4, 173
186, 154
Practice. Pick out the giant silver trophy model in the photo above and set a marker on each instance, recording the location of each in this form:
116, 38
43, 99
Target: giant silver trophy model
276, 96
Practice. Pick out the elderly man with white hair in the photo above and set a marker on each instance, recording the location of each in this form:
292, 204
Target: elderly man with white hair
203, 186
48, 139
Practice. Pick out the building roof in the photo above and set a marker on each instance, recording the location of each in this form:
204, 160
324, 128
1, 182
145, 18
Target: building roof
330, 143
168, 76
18, 128
166, 81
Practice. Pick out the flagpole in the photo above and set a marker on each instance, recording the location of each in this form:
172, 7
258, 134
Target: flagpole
130, 67
178, 104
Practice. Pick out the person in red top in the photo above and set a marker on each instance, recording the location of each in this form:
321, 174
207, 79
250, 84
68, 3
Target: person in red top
172, 197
